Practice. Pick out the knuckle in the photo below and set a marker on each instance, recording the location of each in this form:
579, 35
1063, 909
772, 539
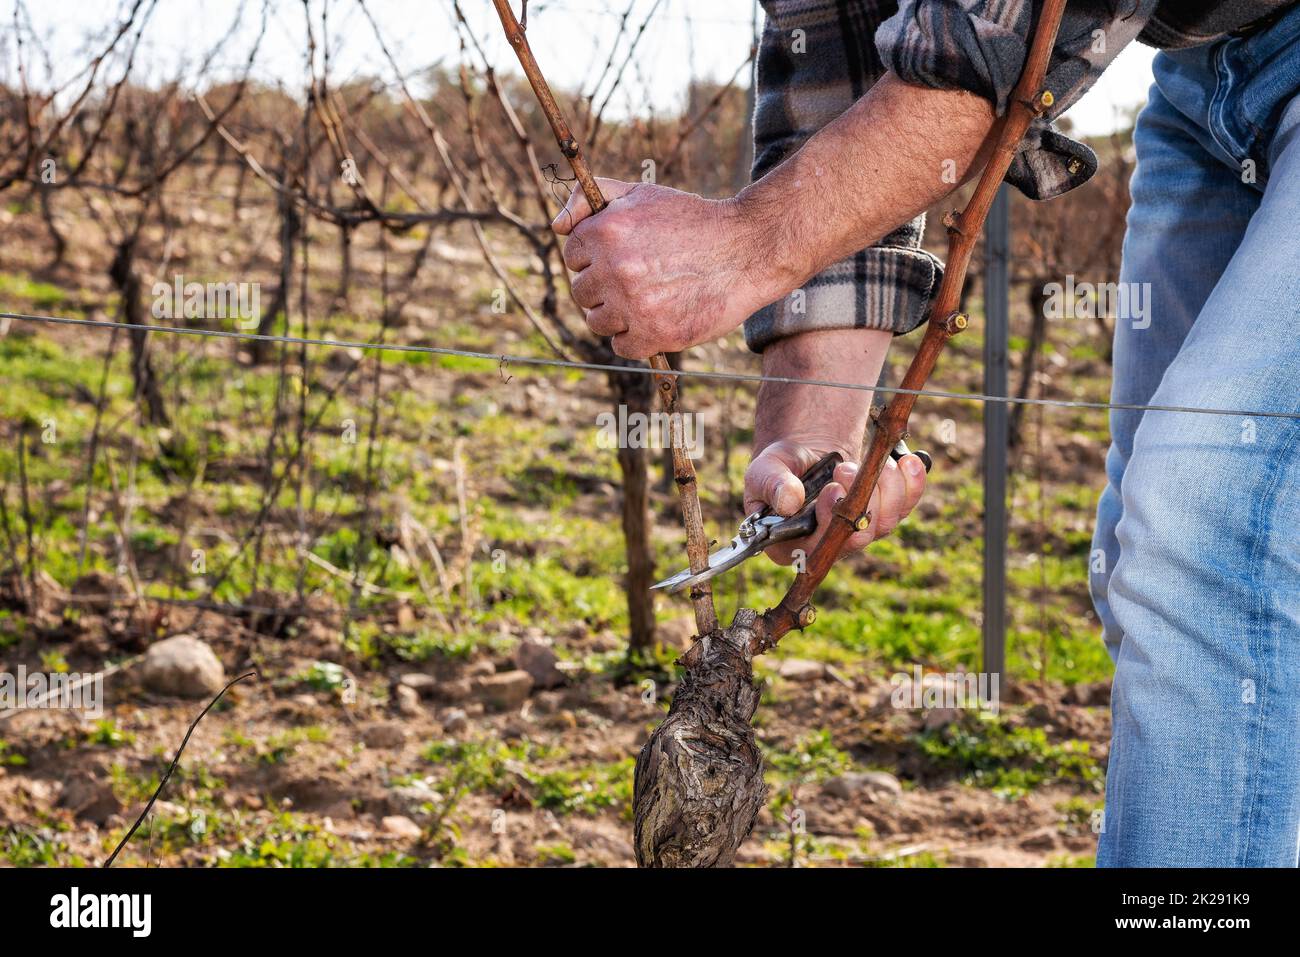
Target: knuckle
624, 269
602, 229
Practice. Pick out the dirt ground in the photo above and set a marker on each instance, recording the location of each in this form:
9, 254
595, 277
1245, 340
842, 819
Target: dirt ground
287, 771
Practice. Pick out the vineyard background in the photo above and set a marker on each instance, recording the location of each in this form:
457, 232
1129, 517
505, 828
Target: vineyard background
426, 557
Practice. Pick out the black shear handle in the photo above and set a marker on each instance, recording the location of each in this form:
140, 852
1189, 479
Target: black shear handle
804, 522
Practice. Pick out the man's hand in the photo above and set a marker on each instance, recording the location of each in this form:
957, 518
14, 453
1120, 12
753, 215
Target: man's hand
797, 424
661, 270
773, 479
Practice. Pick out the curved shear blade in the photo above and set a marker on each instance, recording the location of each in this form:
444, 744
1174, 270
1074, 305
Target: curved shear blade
724, 558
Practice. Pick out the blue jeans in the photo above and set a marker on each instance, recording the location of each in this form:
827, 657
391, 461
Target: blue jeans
1196, 561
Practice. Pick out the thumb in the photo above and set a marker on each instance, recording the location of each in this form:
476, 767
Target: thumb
578, 207
772, 479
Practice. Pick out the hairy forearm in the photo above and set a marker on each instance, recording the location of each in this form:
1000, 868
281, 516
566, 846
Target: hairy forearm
659, 270
892, 155
820, 417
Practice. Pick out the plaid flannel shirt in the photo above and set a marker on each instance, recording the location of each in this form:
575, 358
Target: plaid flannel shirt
819, 56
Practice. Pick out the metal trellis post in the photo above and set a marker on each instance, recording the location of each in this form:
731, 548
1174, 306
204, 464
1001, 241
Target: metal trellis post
996, 312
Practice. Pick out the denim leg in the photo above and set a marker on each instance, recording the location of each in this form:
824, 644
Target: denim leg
1204, 763
1188, 214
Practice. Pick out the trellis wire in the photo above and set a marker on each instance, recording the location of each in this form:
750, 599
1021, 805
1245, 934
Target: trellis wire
708, 374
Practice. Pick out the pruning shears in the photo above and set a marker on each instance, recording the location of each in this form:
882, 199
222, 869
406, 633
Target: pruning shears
765, 527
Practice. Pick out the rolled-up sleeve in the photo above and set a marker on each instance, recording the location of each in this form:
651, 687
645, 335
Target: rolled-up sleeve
980, 46
888, 286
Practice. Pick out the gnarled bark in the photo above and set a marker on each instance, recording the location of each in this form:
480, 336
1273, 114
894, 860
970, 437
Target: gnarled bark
699, 779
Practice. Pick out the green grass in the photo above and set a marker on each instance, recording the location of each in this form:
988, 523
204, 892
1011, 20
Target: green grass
291, 841
39, 848
924, 859
492, 766
812, 758
478, 765
915, 599
554, 855
41, 295
586, 789
10, 757
988, 751
106, 733
283, 745
323, 676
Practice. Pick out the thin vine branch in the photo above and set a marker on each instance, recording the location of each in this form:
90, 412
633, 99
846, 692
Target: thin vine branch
172, 767
697, 540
